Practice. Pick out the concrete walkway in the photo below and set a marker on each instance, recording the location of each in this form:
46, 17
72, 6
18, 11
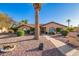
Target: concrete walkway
63, 47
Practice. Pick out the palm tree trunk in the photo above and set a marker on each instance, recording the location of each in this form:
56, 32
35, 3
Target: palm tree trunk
37, 33
68, 25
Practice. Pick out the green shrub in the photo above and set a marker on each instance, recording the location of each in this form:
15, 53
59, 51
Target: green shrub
20, 33
58, 30
32, 29
64, 33
27, 32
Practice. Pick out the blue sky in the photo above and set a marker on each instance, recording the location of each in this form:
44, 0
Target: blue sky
56, 12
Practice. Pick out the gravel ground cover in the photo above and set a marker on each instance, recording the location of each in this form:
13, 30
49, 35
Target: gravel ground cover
28, 46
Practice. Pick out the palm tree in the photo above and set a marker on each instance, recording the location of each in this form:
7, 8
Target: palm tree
37, 7
68, 22
23, 22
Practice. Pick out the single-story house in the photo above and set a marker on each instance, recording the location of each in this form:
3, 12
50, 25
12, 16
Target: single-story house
25, 27
51, 27
48, 27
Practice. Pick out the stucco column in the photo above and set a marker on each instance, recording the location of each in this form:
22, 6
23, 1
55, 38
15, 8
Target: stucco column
47, 29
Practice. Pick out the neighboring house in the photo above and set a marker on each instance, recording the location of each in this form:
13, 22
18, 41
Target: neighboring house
25, 27
48, 27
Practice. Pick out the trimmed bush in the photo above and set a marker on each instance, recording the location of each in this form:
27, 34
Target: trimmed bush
20, 33
64, 33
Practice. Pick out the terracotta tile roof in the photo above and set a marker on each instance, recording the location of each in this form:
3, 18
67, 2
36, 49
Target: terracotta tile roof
25, 25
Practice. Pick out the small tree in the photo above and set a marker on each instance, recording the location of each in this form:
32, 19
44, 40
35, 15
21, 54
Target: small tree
23, 22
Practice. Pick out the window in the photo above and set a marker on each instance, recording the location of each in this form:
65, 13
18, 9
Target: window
51, 30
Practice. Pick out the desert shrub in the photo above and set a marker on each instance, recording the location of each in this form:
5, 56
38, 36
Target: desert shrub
14, 28
11, 31
64, 33
20, 33
70, 29
58, 30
